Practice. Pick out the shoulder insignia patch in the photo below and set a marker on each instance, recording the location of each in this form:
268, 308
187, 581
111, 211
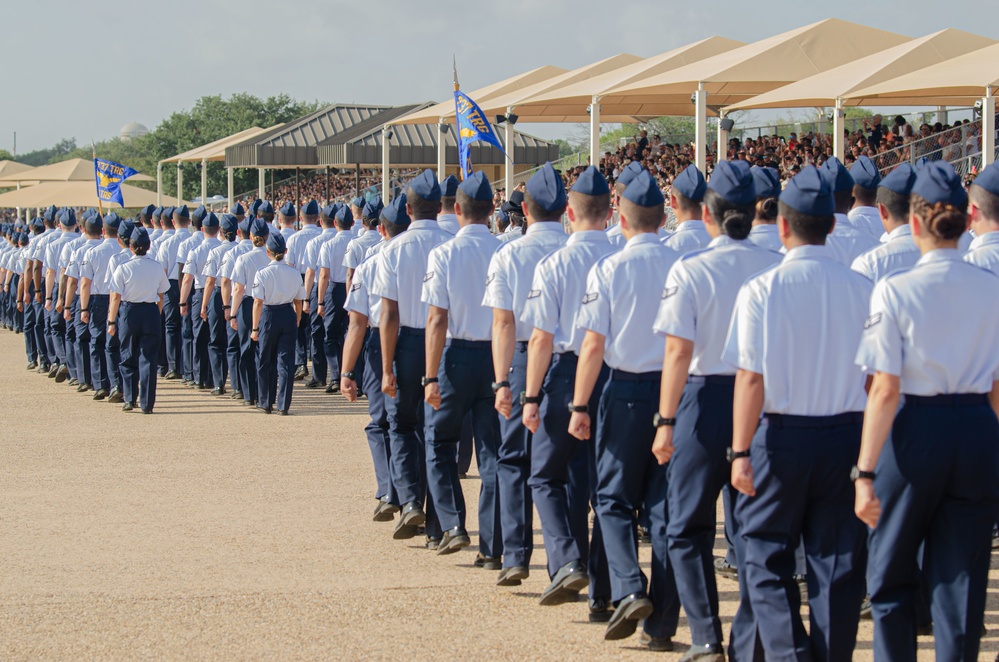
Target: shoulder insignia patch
873, 320
590, 297
355, 287
670, 291
534, 294
429, 276
490, 278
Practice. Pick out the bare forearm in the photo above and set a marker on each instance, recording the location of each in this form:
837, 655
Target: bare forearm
747, 405
436, 334
113, 306
591, 360
676, 365
504, 341
237, 296
539, 357
354, 341
882, 405
389, 328
258, 309
85, 293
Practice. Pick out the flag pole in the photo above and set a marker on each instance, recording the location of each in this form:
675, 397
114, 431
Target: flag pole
100, 204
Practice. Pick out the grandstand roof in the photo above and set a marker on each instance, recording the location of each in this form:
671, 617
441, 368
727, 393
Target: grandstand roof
63, 171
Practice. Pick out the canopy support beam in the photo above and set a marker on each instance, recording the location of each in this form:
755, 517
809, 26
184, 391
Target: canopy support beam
988, 127
229, 176
839, 140
701, 128
508, 141
722, 139
204, 181
441, 147
180, 182
262, 183
594, 134
386, 194
159, 183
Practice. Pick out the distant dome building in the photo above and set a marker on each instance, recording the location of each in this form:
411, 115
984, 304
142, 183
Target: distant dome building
133, 130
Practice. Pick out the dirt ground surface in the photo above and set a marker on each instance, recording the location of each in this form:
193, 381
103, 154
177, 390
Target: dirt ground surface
210, 531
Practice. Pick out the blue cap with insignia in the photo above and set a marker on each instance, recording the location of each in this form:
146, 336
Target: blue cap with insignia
591, 182
988, 179
690, 184
837, 176
449, 186
125, 230
311, 208
276, 243
182, 212
644, 191
139, 238
733, 180
258, 228
237, 210
288, 209
395, 211
900, 179
809, 193
112, 220
425, 186
229, 223
865, 174
766, 181
629, 173
358, 202
211, 220
476, 187
937, 182
344, 215
547, 189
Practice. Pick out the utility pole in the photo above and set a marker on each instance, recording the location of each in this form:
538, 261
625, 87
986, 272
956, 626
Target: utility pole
15, 144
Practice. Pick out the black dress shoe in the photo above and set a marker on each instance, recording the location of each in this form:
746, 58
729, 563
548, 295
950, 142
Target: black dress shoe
147, 411
172, 375
44, 368
656, 644
513, 576
385, 511
115, 396
128, 406
32, 365
218, 391
432, 543
312, 383
334, 386
283, 412
412, 517
187, 382
629, 611
204, 387
61, 374
162, 372
301, 373
453, 540
74, 382
266, 410
83, 388
566, 584
101, 394
725, 569
53, 370
704, 653
488, 562
600, 611
865, 607
236, 395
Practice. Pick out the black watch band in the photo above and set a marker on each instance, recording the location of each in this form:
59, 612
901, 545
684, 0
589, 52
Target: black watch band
579, 409
733, 455
498, 385
256, 330
528, 400
226, 307
111, 323
350, 374
856, 474
428, 380
660, 421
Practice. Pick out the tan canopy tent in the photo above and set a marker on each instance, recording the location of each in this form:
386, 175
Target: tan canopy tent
8, 168
831, 87
72, 170
76, 194
740, 73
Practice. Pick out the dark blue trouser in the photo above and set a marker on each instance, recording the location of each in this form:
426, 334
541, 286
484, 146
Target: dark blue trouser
97, 328
302, 341
172, 328
39, 332
517, 512
30, 339
335, 328
114, 360
317, 334
406, 415
201, 367
465, 387
377, 428
936, 480
57, 326
628, 475
561, 481
247, 351
50, 348
276, 356
82, 345
69, 345
218, 339
139, 329
466, 445
187, 340
697, 473
232, 356
801, 467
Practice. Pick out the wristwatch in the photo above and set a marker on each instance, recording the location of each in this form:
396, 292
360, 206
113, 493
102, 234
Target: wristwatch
428, 380
579, 409
733, 455
498, 385
351, 376
660, 421
527, 400
856, 474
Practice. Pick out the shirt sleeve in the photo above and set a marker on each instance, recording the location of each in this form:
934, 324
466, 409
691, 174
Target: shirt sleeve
325, 257
541, 310
190, 267
117, 284
435, 281
86, 269
164, 285
352, 258
239, 274
677, 309
499, 289
595, 312
881, 343
259, 290
744, 345
386, 282
300, 295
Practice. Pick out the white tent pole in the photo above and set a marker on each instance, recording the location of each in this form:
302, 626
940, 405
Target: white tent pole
511, 148
230, 172
722, 139
159, 183
594, 133
386, 194
441, 147
262, 183
942, 114
839, 141
701, 127
180, 181
988, 127
204, 180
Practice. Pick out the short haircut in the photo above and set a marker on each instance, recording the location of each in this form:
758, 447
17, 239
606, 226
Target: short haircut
476, 210
538, 213
643, 219
896, 203
422, 209
328, 221
843, 201
589, 208
867, 197
391, 229
987, 202
807, 227
447, 203
268, 216
685, 204
311, 218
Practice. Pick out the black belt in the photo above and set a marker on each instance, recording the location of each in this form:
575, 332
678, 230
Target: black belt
99, 296
469, 344
836, 420
567, 357
278, 306
522, 345
622, 376
412, 331
723, 380
947, 400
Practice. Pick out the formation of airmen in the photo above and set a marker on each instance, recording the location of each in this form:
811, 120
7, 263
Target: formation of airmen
820, 355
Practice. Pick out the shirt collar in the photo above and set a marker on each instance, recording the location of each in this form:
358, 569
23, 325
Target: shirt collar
545, 226
900, 231
768, 228
329, 230
447, 217
691, 225
474, 229
808, 252
643, 238
725, 240
940, 255
422, 224
986, 239
589, 236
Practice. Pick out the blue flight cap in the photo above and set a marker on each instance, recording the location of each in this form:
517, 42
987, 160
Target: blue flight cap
67, 217
229, 223
182, 212
395, 211
517, 199
288, 209
921, 163
329, 211
211, 221
37, 223
766, 181
148, 210
627, 175
258, 228
901, 179
244, 225
266, 207
591, 182
157, 212
837, 176
255, 206
937, 182
113, 221
449, 186
988, 179
865, 174
95, 223
547, 189
87, 213
237, 210
24, 240
644, 191
373, 207
139, 238
276, 243
200, 213
503, 216
167, 213
690, 183
344, 215
49, 214
476, 187
809, 193
425, 186
733, 180
125, 230
358, 202
311, 208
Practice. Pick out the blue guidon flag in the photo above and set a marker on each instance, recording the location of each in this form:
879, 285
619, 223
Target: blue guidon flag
109, 175
472, 126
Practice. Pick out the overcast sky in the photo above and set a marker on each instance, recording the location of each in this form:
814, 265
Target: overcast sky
84, 69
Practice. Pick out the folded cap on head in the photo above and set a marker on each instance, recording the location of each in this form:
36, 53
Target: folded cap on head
837, 176
265, 207
644, 191
237, 210
244, 225
920, 163
344, 215
157, 212
591, 182
229, 223
395, 211
276, 243
210, 221
259, 228
900, 179
23, 240
95, 223
937, 182
37, 223
167, 213
449, 186
67, 217
865, 174
809, 193
148, 210
182, 212
733, 180
547, 189
629, 173
503, 216
311, 208
766, 182
425, 186
199, 213
49, 214
139, 238
288, 209
988, 179
125, 230
255, 206
113, 221
690, 184
476, 187
358, 202
329, 211
373, 207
